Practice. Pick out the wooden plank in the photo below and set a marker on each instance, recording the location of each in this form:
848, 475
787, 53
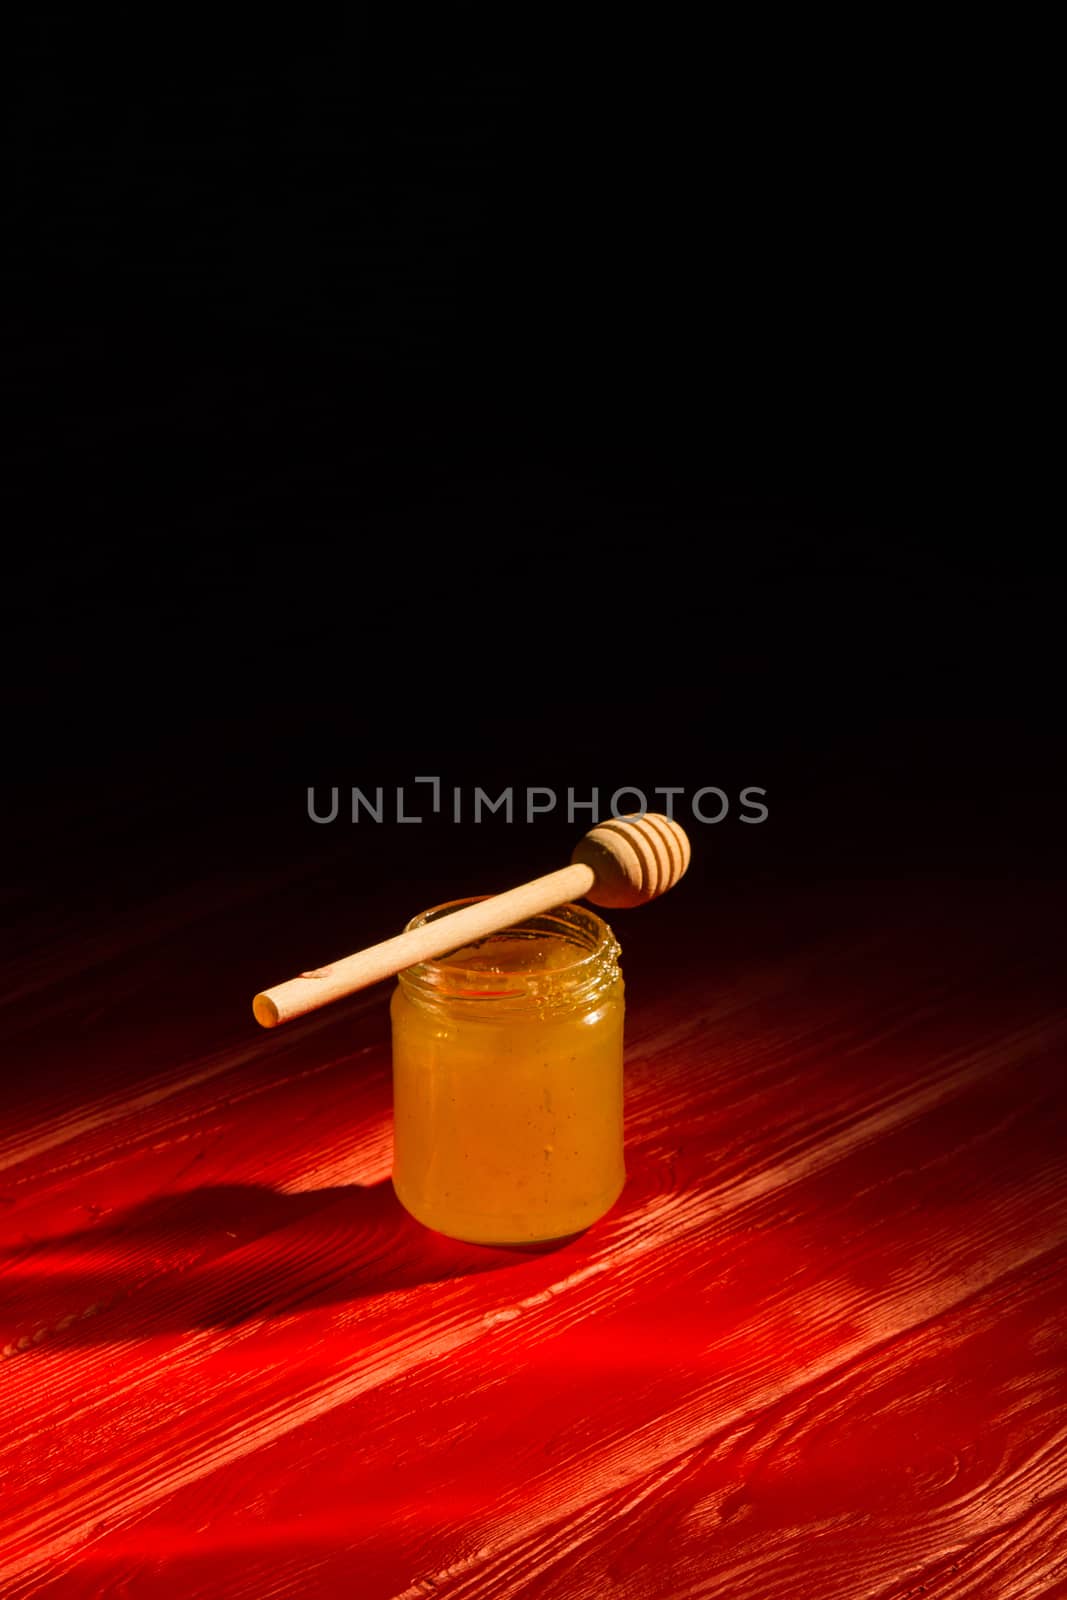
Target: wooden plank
238, 1368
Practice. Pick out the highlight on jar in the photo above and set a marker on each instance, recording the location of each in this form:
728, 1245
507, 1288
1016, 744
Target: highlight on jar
507, 1030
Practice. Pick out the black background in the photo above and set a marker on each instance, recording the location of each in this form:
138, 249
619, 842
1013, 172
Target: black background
532, 410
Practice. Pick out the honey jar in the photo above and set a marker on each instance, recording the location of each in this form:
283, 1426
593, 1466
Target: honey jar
508, 1080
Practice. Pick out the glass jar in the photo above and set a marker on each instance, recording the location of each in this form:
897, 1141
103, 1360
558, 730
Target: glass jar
508, 1082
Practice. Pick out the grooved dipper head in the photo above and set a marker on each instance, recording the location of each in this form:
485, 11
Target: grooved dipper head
635, 858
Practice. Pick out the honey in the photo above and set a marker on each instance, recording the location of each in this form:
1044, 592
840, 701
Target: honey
508, 1081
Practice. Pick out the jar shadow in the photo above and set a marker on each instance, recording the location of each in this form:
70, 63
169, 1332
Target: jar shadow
538, 1247
225, 1255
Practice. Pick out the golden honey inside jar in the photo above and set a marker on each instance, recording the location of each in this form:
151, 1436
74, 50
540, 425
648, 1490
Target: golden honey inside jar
508, 1081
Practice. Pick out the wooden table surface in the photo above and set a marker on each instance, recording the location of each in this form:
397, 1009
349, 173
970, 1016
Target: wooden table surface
816, 1350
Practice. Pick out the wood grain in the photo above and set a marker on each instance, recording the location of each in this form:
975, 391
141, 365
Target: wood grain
817, 1349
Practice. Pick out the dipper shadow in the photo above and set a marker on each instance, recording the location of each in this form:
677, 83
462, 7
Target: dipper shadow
225, 1255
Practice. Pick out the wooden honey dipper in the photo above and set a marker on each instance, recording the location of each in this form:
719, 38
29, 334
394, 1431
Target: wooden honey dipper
622, 862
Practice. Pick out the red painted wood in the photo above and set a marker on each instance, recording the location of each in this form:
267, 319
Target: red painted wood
818, 1349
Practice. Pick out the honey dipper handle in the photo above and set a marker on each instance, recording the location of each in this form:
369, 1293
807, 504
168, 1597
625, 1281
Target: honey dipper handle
313, 989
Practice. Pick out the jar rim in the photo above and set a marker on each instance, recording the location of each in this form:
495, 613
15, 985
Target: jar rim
596, 954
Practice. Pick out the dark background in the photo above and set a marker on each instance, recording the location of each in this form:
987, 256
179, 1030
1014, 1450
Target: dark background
534, 410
